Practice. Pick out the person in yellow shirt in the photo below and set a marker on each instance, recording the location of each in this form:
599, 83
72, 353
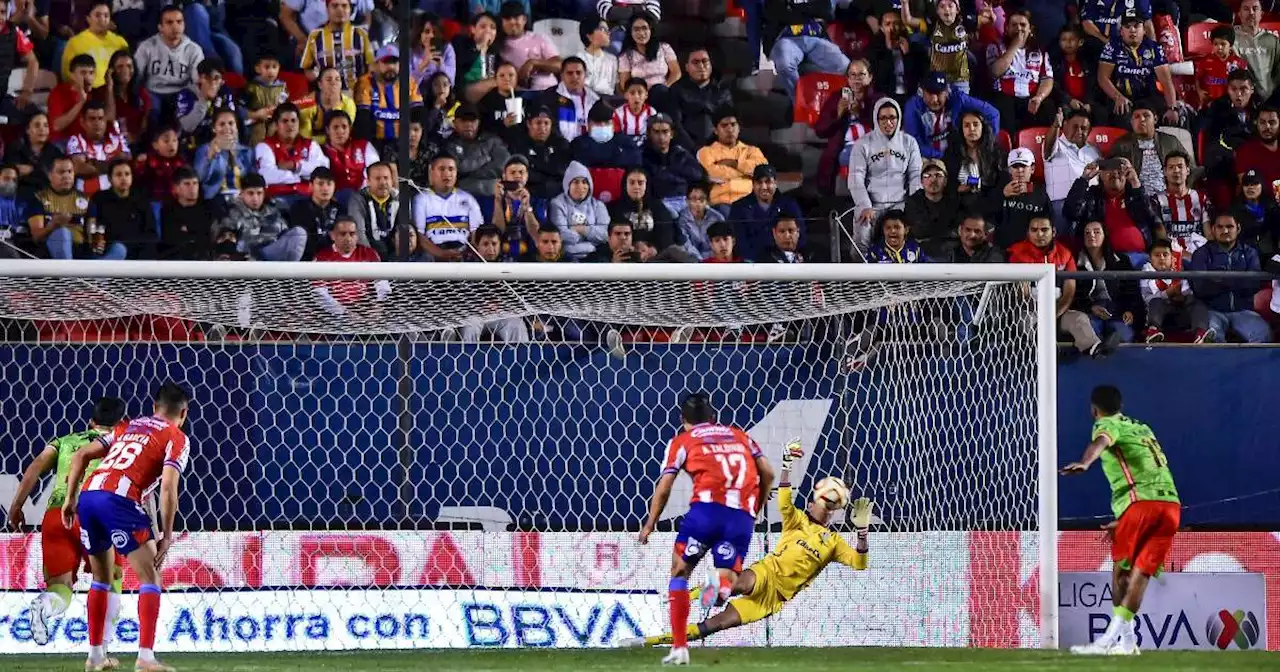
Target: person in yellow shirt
327, 98
807, 546
97, 41
729, 162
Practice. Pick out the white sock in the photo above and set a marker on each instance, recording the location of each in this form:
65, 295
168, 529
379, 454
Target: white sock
1127, 636
97, 653
113, 616
146, 655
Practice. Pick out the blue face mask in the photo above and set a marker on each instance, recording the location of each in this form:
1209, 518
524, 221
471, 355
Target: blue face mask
601, 133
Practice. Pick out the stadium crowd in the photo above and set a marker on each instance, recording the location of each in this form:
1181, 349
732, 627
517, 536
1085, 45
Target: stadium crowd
1096, 136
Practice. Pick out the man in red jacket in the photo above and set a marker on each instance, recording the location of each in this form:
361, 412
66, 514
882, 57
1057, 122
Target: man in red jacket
337, 296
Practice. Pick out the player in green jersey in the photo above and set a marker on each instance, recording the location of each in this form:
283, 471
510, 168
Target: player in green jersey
60, 547
1145, 504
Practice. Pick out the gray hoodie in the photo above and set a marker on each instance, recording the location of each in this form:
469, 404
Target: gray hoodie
565, 212
884, 169
167, 71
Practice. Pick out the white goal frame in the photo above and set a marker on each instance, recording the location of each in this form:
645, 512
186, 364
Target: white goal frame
1041, 275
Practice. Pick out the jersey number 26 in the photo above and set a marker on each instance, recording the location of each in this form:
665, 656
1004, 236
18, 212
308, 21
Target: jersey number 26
122, 455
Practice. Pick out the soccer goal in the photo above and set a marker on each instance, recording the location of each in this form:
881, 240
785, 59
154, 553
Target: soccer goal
454, 455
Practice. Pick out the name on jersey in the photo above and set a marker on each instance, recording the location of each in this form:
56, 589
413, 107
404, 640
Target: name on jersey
946, 48
132, 438
724, 448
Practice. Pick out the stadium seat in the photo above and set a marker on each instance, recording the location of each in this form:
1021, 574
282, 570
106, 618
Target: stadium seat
1198, 43
297, 84
45, 81
1033, 139
1187, 91
1272, 27
1003, 141
812, 91
449, 29
733, 11
1103, 137
733, 25
234, 80
607, 183
562, 32
1184, 138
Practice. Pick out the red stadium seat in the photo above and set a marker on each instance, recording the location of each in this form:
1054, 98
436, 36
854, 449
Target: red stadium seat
1198, 43
1103, 137
733, 11
1272, 27
449, 29
233, 80
297, 84
1187, 91
1033, 139
1003, 141
607, 183
812, 91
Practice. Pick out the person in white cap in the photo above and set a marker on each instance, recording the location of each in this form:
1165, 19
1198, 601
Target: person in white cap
1017, 200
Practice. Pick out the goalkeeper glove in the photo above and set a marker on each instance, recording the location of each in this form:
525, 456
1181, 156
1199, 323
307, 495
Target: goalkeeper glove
791, 453
862, 513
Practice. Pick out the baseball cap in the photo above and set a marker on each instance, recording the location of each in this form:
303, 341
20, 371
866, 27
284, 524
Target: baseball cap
763, 171
467, 111
600, 113
388, 52
1249, 177
934, 82
254, 180
1021, 157
1130, 16
1113, 163
511, 10
543, 111
661, 118
517, 158
933, 164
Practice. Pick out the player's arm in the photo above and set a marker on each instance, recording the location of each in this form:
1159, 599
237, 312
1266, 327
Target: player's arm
857, 558
786, 502
168, 509
42, 463
87, 453
1092, 452
661, 493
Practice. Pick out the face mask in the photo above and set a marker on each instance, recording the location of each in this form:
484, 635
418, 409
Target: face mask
601, 133
7, 190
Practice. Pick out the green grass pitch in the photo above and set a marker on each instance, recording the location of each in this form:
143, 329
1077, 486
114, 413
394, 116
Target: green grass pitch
730, 660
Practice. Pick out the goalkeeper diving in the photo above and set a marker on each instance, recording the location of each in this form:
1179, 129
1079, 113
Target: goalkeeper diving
807, 546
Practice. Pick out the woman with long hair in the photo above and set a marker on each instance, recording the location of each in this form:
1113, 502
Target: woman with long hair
843, 119
1114, 307
33, 153
974, 162
328, 98
646, 213
645, 57
430, 53
348, 156
221, 163
441, 103
127, 103
478, 53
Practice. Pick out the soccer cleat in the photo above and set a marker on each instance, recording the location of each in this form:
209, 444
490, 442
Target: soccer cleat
709, 592
40, 620
1121, 649
1098, 648
678, 656
152, 666
1154, 335
107, 663
630, 643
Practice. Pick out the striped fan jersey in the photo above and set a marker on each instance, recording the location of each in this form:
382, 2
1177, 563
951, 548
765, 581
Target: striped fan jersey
136, 457
1185, 219
346, 48
628, 123
382, 100
1025, 72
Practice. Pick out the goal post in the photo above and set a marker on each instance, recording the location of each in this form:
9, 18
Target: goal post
368, 477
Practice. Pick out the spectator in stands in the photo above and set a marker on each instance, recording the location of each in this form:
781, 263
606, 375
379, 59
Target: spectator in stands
1230, 302
549, 246
285, 159
123, 217
842, 120
934, 209
478, 57
1257, 214
501, 108
221, 164
949, 45
898, 65
1182, 213
1260, 48
618, 248
785, 246
168, 61
348, 156
16, 48
439, 109
186, 221
645, 57
722, 244
1117, 201
547, 152
68, 98
431, 54
644, 211
33, 154
753, 215
1229, 122
316, 214
154, 170
533, 54
480, 156
516, 212
693, 100
696, 219
94, 147
97, 42
1213, 69
1169, 301
1101, 21
339, 296
1067, 152
602, 66
801, 38
672, 168
340, 44
257, 227
1113, 306
976, 161
1262, 152
63, 209
374, 210
1074, 74
1147, 149
933, 112
893, 243
378, 101
421, 150
601, 147
445, 215
1016, 200
1133, 70
32, 18
884, 168
262, 94
1023, 75
631, 119
17, 217
972, 244
582, 220
571, 101
1040, 247
206, 25
196, 106
729, 162
128, 104
329, 97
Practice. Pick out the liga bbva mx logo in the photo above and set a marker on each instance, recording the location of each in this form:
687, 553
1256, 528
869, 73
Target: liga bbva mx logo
1239, 626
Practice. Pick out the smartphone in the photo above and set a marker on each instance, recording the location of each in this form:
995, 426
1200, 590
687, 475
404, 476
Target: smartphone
973, 181
846, 93
510, 185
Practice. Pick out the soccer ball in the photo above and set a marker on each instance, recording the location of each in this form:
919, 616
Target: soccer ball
832, 492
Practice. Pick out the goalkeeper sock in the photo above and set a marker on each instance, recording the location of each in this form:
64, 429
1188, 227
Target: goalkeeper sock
678, 599
59, 597
726, 589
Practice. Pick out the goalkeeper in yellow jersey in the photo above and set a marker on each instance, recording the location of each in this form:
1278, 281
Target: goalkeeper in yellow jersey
806, 547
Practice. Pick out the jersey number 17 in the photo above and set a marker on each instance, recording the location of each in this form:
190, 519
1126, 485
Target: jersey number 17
734, 466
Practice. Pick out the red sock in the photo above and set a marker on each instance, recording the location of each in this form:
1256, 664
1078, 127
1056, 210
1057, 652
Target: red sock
678, 599
148, 614
97, 612
726, 587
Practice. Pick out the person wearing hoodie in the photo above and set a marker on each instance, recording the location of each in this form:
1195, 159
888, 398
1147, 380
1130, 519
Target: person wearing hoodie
547, 152
583, 221
1230, 302
672, 168
571, 101
480, 156
1258, 215
931, 114
696, 219
884, 167
167, 61
258, 228
600, 147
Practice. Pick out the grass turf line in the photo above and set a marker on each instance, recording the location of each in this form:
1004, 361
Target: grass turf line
737, 660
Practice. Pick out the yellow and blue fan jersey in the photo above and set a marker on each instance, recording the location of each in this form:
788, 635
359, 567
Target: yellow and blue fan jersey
346, 48
381, 99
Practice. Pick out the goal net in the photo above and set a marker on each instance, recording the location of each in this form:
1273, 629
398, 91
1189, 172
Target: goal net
456, 455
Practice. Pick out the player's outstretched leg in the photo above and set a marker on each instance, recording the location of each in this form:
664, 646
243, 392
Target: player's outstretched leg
49, 605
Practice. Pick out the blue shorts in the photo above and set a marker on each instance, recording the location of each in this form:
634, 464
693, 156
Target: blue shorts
108, 520
717, 528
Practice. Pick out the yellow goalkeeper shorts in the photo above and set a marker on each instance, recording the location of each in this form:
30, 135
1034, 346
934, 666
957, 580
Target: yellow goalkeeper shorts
764, 600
